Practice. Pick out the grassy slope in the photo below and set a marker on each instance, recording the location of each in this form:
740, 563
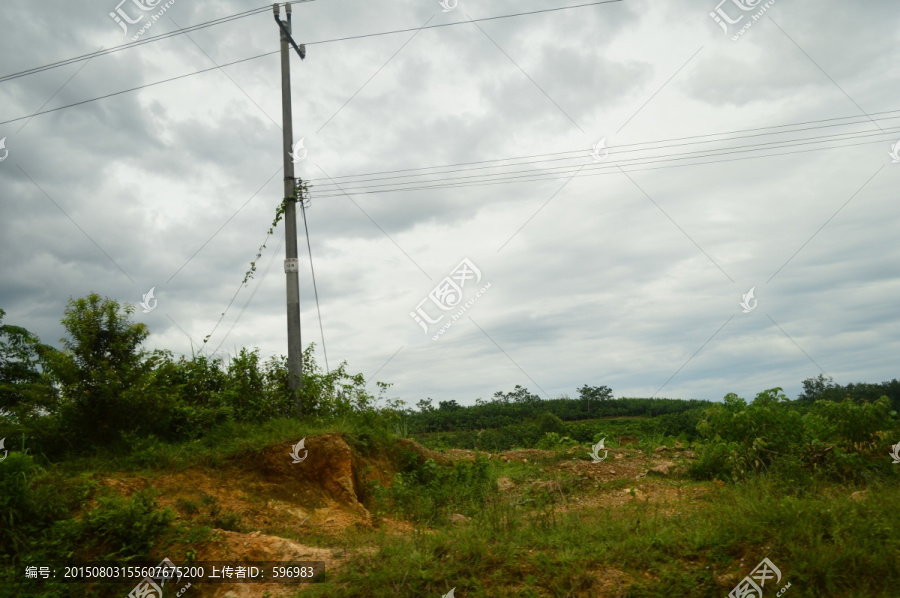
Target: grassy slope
577, 534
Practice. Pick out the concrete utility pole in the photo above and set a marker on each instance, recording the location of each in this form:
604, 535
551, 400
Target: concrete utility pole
291, 269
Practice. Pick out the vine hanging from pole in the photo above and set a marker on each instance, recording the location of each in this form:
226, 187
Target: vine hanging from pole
301, 192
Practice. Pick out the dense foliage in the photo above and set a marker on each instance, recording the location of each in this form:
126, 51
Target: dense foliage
846, 440
103, 390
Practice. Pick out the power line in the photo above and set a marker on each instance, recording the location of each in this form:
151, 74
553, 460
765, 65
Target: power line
626, 162
315, 287
518, 14
188, 29
261, 10
619, 149
550, 173
561, 176
109, 95
147, 40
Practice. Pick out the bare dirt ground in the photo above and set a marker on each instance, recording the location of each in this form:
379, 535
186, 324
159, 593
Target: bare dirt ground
294, 509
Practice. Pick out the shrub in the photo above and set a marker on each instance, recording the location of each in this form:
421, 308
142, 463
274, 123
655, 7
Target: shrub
547, 422
843, 440
553, 441
431, 493
126, 528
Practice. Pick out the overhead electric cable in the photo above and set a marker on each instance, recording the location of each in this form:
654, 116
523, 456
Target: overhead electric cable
347, 186
188, 29
570, 154
315, 287
140, 42
591, 172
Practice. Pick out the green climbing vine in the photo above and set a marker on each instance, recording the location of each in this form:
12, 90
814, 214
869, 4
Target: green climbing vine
301, 192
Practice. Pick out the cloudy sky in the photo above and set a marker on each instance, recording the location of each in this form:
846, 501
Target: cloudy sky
622, 174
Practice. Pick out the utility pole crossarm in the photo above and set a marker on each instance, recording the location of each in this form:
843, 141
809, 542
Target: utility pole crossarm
301, 49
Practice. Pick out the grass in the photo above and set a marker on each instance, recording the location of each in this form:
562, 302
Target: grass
555, 534
823, 542
221, 443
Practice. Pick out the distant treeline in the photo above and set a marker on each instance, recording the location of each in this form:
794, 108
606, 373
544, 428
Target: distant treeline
822, 388
520, 405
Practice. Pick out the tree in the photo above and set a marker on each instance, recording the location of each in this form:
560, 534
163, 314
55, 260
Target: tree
450, 405
104, 375
594, 393
518, 395
425, 405
24, 389
815, 389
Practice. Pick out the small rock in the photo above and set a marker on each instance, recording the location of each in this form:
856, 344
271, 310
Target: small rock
524, 460
678, 445
229, 594
612, 472
619, 456
662, 468
505, 485
329, 520
458, 518
661, 449
690, 454
859, 495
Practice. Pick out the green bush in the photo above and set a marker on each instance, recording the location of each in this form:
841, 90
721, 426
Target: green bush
553, 441
845, 440
547, 422
678, 425
125, 528
430, 493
